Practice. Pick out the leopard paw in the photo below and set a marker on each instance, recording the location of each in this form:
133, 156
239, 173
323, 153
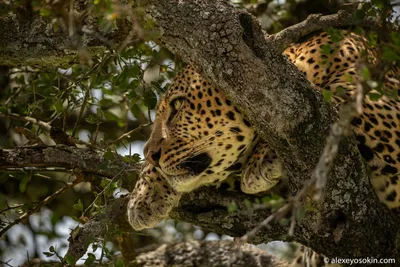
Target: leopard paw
151, 200
262, 170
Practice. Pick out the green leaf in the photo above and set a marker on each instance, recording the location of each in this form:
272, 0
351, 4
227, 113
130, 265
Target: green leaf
389, 54
335, 34
99, 114
91, 119
127, 73
108, 155
378, 3
108, 115
310, 208
133, 84
247, 203
232, 207
300, 213
95, 247
359, 14
366, 73
374, 96
104, 183
132, 95
70, 259
327, 95
52, 249
325, 49
90, 259
107, 91
340, 91
106, 103
150, 99
23, 183
119, 263
48, 254
3, 110
134, 71
396, 38
78, 206
348, 78
135, 158
110, 189
45, 12
373, 38
20, 79
58, 106
136, 111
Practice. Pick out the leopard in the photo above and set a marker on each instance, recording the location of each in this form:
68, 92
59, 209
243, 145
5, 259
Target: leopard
201, 138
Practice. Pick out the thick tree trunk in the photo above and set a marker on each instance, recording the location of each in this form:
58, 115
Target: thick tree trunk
227, 46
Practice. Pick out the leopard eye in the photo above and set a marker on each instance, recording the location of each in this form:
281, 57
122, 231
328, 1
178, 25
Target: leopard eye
176, 104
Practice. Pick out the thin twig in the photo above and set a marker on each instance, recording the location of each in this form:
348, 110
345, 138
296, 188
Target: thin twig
40, 205
104, 189
16, 207
40, 123
83, 106
129, 133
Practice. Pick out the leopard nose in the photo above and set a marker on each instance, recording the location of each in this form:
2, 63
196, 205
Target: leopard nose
154, 157
152, 151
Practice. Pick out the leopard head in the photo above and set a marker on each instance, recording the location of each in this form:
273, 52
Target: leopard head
198, 135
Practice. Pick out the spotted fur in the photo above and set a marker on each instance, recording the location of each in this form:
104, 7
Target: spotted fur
200, 137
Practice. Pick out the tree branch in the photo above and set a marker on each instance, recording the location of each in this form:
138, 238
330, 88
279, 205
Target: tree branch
28, 38
317, 22
207, 253
86, 160
111, 221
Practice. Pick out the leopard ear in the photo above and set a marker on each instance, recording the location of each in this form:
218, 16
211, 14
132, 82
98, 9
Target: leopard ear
262, 171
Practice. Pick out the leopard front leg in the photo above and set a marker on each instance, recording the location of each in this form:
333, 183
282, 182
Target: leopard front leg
262, 170
151, 200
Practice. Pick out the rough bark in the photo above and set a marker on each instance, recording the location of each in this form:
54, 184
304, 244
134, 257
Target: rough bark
28, 39
207, 253
228, 46
110, 222
316, 22
71, 158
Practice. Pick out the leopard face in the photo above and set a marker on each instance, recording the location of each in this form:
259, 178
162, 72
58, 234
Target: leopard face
199, 137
